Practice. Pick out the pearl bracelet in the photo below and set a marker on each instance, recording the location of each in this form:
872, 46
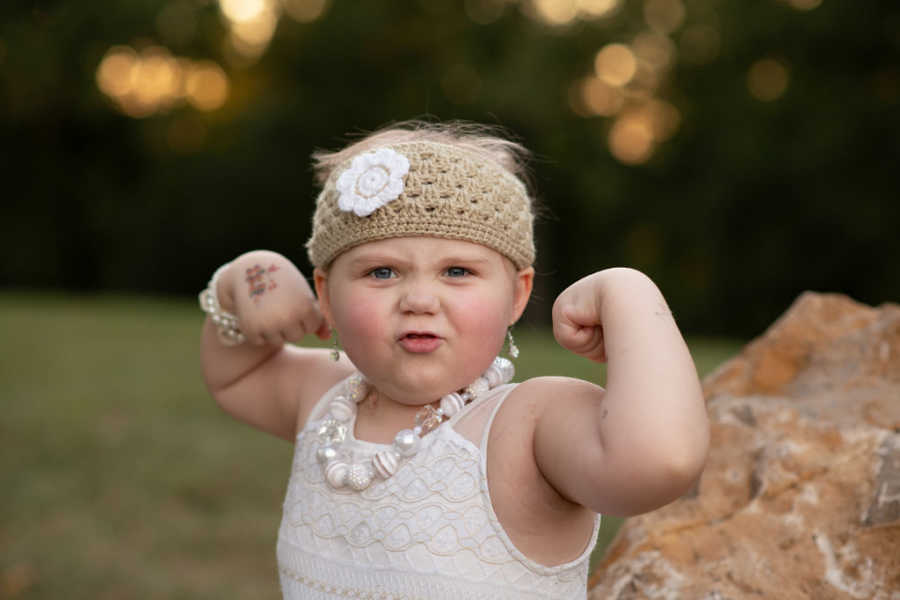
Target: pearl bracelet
226, 323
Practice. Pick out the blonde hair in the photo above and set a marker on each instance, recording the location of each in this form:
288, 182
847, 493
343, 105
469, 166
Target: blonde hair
488, 141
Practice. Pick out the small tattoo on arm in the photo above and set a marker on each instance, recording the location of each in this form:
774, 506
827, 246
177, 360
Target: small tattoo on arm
603, 414
259, 280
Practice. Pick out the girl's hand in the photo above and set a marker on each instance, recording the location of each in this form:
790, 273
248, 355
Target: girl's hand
271, 299
577, 324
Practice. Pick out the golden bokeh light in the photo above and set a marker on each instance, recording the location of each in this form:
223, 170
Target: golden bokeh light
576, 99
767, 79
805, 4
115, 75
142, 84
157, 78
631, 138
252, 24
615, 64
664, 16
206, 86
663, 117
598, 98
239, 11
598, 8
255, 33
305, 11
655, 50
645, 82
700, 44
556, 12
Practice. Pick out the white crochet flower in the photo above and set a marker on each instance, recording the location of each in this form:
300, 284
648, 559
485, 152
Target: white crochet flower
373, 179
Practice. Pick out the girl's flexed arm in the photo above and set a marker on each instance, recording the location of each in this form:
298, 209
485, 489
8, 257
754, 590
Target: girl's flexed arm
643, 441
263, 381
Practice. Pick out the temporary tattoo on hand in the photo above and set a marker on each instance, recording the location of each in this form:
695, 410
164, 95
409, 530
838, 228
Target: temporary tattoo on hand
259, 280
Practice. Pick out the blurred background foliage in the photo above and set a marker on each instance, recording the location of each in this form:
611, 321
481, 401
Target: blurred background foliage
738, 152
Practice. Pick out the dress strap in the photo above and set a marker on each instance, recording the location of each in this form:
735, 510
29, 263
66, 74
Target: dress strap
473, 421
487, 428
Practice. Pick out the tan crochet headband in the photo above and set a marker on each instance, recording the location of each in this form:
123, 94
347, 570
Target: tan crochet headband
422, 188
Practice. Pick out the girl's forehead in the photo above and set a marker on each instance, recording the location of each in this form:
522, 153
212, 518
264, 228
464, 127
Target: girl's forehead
423, 247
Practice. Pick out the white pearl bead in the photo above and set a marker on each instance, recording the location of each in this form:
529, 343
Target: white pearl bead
336, 474
385, 463
451, 404
479, 386
326, 454
506, 368
406, 442
359, 477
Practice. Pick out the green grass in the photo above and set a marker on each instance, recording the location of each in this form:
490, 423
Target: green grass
119, 478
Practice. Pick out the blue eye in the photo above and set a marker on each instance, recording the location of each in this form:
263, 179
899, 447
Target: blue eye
457, 271
381, 273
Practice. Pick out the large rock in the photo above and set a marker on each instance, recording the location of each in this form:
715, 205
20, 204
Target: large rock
801, 493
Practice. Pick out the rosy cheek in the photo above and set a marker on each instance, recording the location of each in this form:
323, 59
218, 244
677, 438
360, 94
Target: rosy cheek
359, 320
486, 318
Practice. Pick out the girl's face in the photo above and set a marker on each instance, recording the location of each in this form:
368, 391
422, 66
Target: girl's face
420, 316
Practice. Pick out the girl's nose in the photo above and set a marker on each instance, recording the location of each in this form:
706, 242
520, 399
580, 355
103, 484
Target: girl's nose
420, 300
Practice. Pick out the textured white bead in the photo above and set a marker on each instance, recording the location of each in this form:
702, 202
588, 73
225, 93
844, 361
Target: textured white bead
359, 477
385, 463
406, 442
452, 404
357, 388
336, 474
342, 409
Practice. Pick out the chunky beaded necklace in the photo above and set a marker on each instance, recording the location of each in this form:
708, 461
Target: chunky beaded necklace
340, 467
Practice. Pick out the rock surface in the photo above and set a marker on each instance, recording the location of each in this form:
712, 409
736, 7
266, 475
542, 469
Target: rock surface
801, 493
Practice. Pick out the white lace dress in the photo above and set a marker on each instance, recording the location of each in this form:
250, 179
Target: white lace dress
427, 532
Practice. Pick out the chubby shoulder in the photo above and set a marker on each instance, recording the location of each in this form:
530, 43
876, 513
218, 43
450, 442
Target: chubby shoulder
303, 376
552, 390
528, 402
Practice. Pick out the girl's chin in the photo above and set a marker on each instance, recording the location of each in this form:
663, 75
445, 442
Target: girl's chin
420, 382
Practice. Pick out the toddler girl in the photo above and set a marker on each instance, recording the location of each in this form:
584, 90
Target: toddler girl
419, 470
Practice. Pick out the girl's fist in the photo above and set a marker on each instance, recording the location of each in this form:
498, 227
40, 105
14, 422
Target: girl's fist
577, 324
271, 299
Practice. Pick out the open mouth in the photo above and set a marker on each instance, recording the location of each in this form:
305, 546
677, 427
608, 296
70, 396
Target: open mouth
420, 342
419, 336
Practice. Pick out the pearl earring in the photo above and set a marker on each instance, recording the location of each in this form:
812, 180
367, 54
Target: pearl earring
511, 344
335, 346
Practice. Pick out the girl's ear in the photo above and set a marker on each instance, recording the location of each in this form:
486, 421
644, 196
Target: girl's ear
320, 281
522, 292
